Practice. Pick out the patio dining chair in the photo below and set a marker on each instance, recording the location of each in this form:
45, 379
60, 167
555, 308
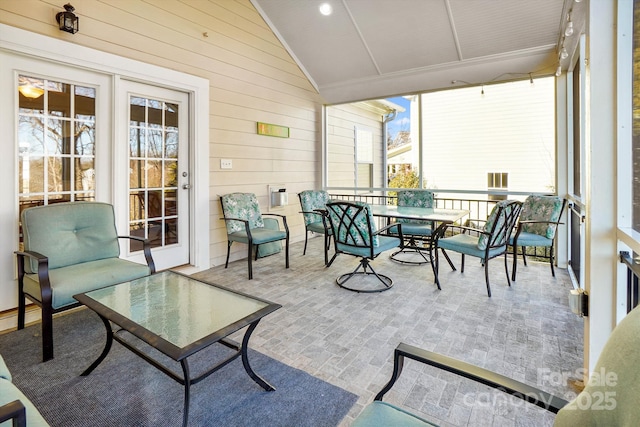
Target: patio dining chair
314, 210
355, 233
537, 227
70, 248
246, 224
484, 243
415, 230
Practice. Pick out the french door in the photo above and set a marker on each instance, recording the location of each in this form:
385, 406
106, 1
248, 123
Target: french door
156, 164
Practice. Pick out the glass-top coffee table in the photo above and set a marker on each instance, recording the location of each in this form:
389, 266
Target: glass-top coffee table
178, 316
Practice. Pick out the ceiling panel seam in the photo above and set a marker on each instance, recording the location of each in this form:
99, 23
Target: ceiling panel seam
454, 32
364, 43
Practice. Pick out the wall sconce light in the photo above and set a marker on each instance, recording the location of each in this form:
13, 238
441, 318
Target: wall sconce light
67, 20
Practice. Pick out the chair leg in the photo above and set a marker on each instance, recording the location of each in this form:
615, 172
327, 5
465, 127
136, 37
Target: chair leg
286, 251
436, 268
524, 254
446, 255
21, 309
306, 237
226, 264
462, 264
551, 261
486, 277
506, 268
249, 260
326, 248
47, 332
515, 263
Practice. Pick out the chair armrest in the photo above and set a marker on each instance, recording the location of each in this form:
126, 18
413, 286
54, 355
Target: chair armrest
14, 411
146, 247
463, 229
499, 382
43, 272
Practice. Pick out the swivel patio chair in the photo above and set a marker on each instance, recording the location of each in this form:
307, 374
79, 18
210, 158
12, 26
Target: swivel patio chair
245, 224
314, 210
537, 227
354, 233
70, 248
607, 400
486, 243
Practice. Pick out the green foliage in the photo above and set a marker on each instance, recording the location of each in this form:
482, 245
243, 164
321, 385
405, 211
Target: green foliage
404, 179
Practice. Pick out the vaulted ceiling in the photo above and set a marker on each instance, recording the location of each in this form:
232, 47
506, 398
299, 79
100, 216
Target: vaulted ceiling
378, 48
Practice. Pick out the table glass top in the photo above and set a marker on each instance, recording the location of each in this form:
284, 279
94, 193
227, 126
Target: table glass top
408, 212
177, 308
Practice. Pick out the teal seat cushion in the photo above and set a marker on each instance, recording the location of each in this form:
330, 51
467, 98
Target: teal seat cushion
531, 239
410, 229
259, 235
85, 277
382, 414
384, 244
270, 248
9, 392
468, 245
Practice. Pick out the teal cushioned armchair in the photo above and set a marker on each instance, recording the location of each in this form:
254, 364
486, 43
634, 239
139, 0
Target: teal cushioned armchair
70, 248
245, 224
313, 204
537, 225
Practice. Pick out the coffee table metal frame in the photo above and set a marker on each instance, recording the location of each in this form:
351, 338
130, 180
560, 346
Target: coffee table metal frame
180, 354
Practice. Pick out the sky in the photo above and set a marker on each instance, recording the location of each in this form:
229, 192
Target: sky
402, 121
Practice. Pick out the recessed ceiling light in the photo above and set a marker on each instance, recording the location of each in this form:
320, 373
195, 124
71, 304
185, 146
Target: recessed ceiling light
326, 9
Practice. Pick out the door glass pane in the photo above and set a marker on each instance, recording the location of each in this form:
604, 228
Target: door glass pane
153, 147
56, 141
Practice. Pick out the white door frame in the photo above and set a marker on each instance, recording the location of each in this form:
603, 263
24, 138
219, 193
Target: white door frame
21, 42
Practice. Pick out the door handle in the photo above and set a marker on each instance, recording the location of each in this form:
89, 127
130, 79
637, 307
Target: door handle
186, 186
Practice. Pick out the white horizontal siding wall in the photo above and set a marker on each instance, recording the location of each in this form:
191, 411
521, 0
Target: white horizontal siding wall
342, 121
252, 78
467, 135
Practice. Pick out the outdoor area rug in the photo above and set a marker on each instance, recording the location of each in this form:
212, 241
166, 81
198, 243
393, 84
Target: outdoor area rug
126, 391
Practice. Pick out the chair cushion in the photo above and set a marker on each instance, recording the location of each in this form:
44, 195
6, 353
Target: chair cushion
358, 234
259, 236
311, 200
382, 414
244, 206
4, 370
541, 208
468, 245
84, 277
412, 229
70, 233
611, 395
416, 199
8, 393
384, 244
530, 239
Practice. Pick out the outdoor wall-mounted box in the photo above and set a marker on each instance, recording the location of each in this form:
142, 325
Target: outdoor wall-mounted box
278, 196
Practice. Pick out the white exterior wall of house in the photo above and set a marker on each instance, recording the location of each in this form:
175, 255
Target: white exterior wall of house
457, 129
252, 78
342, 121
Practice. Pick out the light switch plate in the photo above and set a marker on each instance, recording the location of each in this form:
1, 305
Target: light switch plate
226, 164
